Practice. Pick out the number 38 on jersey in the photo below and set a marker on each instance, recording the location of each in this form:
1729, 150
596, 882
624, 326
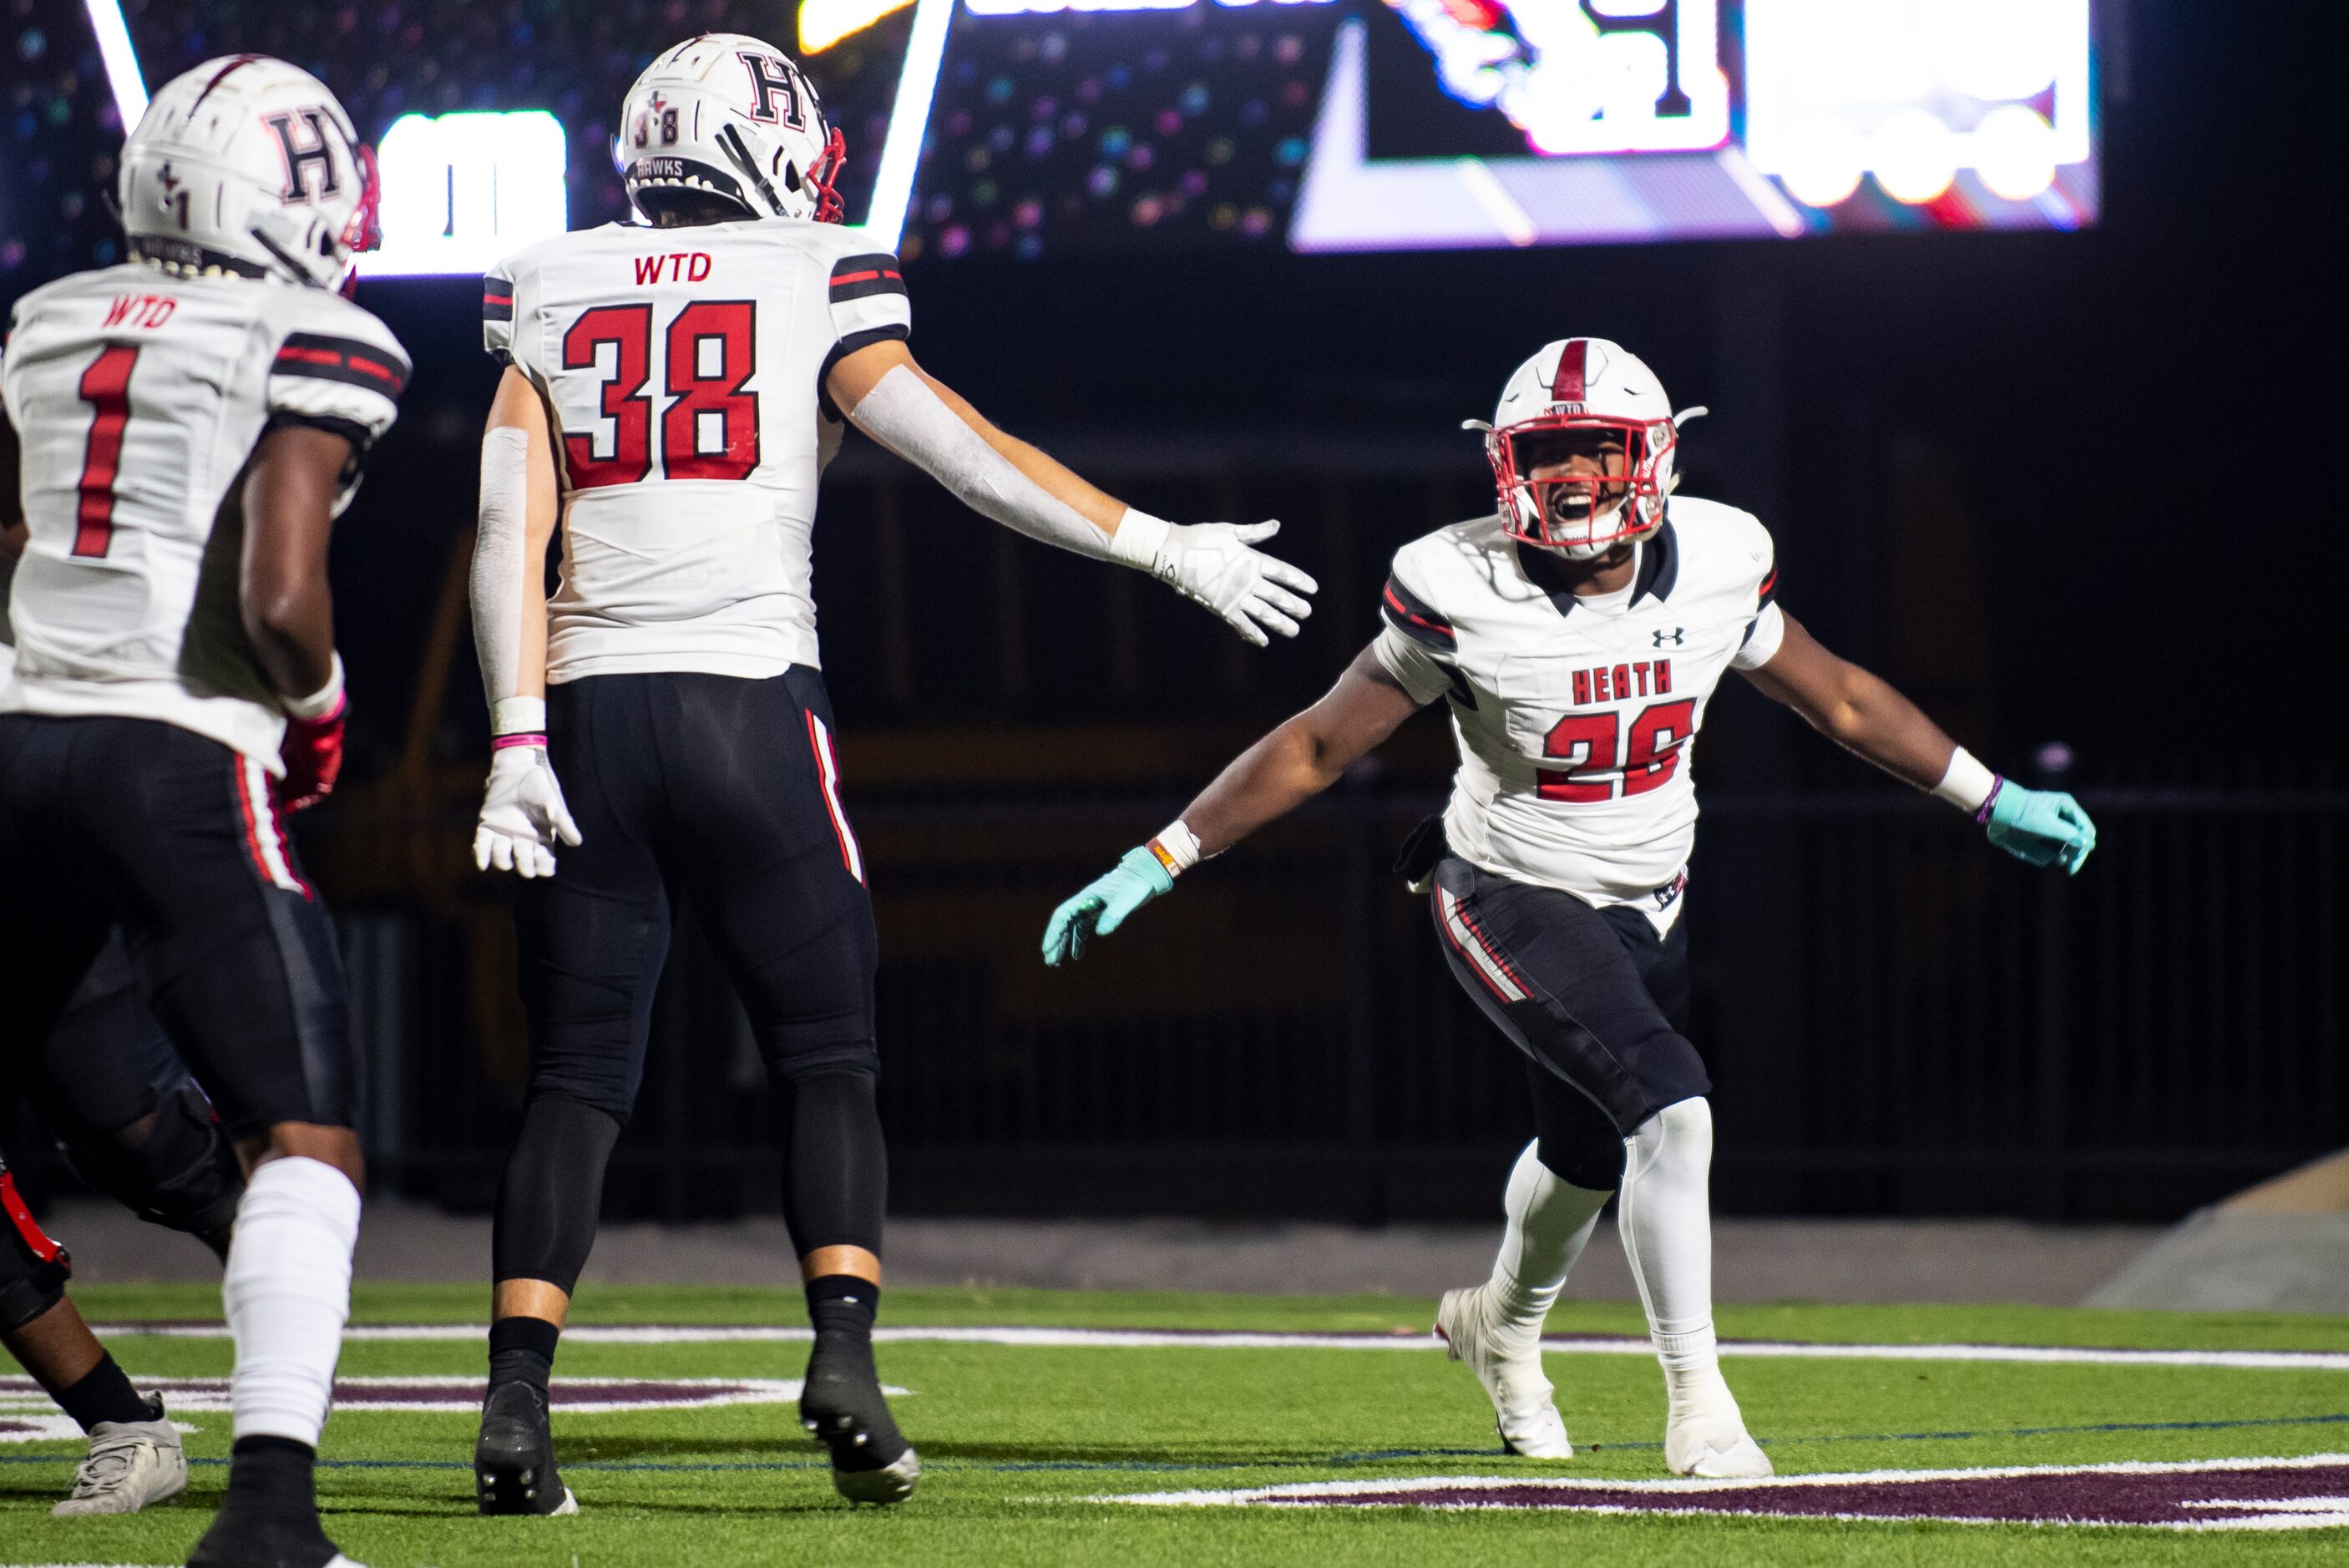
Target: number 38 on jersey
692, 368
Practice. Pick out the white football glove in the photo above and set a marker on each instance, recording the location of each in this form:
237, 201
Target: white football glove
1215, 564
522, 814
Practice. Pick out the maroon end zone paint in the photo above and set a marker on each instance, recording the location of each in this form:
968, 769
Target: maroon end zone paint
2260, 1494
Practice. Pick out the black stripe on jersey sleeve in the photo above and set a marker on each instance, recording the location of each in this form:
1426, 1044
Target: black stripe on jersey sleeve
843, 349
859, 277
497, 299
1417, 619
351, 430
345, 359
1768, 594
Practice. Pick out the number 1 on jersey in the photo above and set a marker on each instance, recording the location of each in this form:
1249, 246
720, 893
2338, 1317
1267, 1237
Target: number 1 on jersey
709, 430
106, 388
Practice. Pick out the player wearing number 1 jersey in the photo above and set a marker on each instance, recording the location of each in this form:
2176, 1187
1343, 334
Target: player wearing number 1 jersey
192, 423
1576, 636
673, 393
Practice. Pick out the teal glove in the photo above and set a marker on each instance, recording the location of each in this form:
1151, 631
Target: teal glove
1103, 907
2044, 826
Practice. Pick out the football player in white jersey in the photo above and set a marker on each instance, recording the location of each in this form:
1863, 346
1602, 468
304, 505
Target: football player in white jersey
1576, 635
192, 422
672, 394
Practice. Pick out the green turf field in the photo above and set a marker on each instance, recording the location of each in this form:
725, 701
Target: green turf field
1018, 1440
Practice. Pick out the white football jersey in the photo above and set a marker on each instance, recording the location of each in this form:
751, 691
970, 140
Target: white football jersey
1575, 717
684, 368
138, 398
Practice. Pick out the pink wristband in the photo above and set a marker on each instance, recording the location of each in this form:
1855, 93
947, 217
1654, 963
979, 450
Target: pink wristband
503, 741
1997, 782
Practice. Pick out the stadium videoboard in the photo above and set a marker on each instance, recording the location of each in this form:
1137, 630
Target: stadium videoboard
1027, 128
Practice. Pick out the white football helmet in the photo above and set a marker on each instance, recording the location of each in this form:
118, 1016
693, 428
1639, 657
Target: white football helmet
731, 116
249, 167
1583, 384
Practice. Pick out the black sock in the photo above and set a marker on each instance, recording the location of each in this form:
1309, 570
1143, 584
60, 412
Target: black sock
273, 1476
104, 1394
843, 1301
522, 1349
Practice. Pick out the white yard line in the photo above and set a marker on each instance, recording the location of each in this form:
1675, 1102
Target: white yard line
1684, 1485
1156, 1339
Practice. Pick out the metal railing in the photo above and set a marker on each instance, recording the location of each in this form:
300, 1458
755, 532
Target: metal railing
1899, 1019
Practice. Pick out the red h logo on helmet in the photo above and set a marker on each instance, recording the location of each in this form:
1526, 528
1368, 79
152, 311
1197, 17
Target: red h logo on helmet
778, 87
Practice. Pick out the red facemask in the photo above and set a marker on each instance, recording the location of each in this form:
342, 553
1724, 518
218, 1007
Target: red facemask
1636, 494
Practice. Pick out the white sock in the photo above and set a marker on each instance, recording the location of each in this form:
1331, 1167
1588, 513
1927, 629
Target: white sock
1548, 1223
288, 1292
1667, 1225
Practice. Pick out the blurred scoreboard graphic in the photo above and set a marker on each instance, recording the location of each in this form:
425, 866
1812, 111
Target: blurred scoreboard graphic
1366, 125
1026, 128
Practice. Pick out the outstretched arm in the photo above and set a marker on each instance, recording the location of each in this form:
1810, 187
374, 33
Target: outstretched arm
1300, 759
926, 422
1856, 708
523, 814
1274, 777
1862, 713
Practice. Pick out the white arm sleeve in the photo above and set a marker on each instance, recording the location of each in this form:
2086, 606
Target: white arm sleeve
498, 576
903, 413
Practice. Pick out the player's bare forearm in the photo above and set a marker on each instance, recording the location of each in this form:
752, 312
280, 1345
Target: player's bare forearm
1302, 757
1856, 708
289, 518
857, 374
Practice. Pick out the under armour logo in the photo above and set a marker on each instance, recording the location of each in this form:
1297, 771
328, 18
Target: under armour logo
1676, 637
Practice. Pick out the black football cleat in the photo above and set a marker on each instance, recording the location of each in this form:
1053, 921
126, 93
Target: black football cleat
249, 1537
513, 1462
842, 1405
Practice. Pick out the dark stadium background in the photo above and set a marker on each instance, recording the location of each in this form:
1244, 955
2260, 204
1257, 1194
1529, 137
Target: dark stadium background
2075, 493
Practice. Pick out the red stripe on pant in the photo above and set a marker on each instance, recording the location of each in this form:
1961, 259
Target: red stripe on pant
36, 1240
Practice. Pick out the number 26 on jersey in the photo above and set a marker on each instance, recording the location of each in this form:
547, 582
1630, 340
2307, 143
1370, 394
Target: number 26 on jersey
708, 426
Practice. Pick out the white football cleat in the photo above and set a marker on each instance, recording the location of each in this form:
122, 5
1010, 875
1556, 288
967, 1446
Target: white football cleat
1529, 1421
1705, 1435
130, 1465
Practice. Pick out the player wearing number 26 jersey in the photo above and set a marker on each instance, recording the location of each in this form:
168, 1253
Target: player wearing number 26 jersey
1590, 701
192, 424
1576, 636
671, 395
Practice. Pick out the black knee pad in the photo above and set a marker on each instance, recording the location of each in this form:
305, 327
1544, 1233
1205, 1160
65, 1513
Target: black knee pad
1577, 1143
33, 1268
180, 1173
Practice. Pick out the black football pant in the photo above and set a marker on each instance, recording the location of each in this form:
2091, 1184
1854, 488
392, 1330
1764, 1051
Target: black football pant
725, 791
1593, 997
174, 837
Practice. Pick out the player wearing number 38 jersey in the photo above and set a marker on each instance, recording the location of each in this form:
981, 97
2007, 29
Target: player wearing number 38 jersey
1576, 636
661, 725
